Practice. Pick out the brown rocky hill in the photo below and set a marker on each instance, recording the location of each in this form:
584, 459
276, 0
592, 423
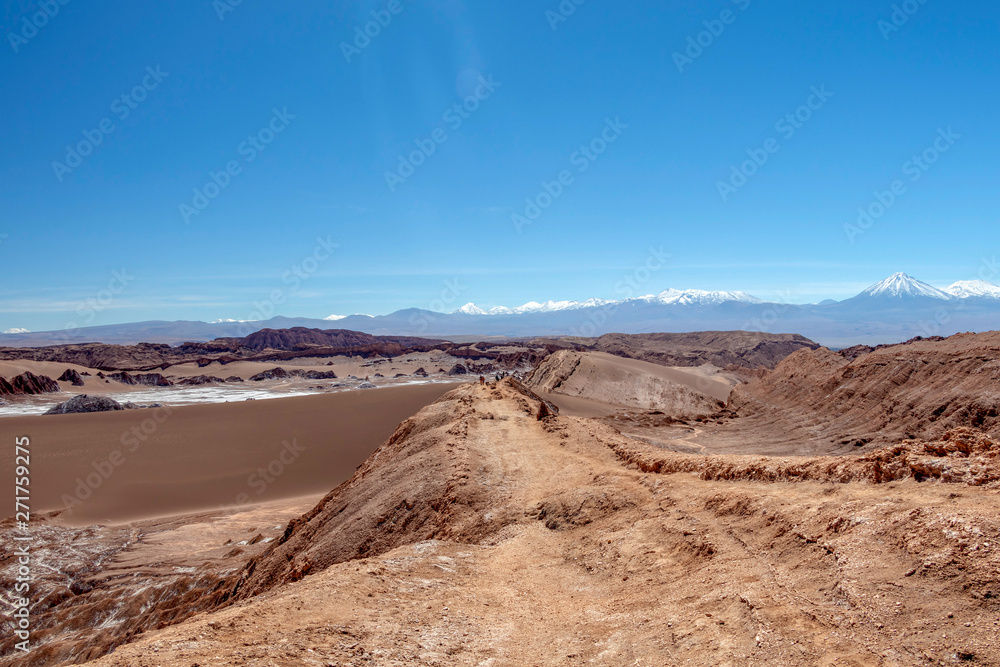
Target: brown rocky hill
744, 349
145, 356
300, 338
265, 345
917, 389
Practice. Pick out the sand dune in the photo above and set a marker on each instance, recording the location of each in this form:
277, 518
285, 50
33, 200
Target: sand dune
141, 463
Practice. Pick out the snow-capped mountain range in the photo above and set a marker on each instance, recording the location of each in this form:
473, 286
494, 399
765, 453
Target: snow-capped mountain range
898, 285
892, 310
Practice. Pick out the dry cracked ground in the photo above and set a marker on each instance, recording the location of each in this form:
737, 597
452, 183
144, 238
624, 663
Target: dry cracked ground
488, 532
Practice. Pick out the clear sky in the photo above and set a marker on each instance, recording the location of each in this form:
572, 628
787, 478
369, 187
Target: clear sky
310, 115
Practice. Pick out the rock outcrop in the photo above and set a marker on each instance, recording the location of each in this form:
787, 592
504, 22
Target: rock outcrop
72, 376
278, 373
144, 379
314, 375
28, 383
198, 380
84, 403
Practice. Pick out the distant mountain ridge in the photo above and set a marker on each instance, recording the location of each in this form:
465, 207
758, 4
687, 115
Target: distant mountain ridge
898, 285
890, 311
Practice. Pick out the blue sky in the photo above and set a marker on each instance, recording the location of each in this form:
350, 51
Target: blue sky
329, 122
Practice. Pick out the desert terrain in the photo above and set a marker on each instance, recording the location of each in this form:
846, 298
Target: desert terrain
823, 508
267, 364
131, 464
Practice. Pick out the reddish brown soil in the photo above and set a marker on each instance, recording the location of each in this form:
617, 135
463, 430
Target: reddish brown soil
481, 534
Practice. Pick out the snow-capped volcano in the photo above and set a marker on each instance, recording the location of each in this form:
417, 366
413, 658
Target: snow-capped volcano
900, 285
16, 330
964, 289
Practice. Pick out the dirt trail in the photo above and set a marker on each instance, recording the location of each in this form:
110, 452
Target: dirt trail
545, 547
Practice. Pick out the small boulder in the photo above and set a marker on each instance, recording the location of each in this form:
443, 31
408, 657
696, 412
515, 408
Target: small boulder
84, 403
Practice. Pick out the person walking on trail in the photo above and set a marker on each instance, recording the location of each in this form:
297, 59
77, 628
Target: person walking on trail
482, 380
